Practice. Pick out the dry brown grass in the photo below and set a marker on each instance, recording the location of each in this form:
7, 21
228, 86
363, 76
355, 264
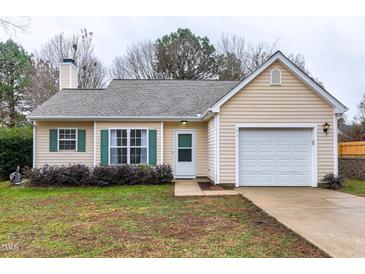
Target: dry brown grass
139, 221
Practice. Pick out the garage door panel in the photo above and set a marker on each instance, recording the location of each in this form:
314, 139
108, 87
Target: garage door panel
301, 178
301, 164
266, 178
283, 178
284, 148
304, 148
268, 163
266, 148
248, 164
275, 157
248, 148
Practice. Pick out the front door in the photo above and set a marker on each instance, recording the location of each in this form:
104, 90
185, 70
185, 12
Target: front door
184, 154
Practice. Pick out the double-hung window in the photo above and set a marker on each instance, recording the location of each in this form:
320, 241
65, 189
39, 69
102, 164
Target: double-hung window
67, 139
118, 146
128, 146
138, 146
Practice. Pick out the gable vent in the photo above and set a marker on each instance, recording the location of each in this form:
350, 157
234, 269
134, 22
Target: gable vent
275, 77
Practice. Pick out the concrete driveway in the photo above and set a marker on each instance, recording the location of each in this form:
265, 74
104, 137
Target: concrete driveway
331, 220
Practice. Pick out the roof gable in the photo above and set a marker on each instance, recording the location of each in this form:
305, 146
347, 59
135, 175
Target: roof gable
278, 56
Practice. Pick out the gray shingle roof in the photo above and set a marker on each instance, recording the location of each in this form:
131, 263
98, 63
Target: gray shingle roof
123, 98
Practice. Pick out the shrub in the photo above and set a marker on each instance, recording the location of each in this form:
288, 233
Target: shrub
72, 175
80, 175
16, 145
333, 182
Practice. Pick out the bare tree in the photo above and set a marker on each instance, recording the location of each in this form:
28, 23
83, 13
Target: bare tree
137, 63
238, 58
299, 61
13, 24
42, 84
80, 47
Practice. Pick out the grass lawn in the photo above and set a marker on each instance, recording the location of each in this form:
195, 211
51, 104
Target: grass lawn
356, 187
139, 221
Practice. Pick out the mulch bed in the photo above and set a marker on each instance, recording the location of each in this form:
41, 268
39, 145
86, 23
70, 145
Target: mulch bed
210, 186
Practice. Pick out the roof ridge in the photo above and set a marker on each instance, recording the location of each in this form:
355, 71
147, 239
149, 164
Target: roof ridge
191, 80
83, 89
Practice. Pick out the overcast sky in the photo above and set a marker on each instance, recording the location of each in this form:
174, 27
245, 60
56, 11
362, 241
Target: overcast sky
334, 47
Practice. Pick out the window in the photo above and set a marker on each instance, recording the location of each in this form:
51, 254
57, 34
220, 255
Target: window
118, 146
128, 146
67, 139
184, 147
138, 146
275, 77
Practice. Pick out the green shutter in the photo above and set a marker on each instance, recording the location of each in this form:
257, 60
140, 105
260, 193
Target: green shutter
104, 147
81, 140
53, 139
152, 147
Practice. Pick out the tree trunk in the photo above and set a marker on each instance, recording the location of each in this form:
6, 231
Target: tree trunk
12, 114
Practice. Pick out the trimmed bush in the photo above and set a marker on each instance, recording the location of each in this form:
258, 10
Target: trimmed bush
333, 182
16, 145
80, 175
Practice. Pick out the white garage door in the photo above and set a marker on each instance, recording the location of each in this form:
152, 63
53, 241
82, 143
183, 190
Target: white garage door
275, 157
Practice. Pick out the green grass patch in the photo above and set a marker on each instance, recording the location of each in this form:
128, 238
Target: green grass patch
139, 221
356, 187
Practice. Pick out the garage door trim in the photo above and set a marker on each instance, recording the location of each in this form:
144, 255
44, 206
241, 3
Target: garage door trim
278, 126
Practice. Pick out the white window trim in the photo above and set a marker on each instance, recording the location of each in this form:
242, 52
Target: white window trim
58, 140
128, 144
271, 72
314, 128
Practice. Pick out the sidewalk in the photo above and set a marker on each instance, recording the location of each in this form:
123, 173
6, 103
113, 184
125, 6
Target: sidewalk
191, 188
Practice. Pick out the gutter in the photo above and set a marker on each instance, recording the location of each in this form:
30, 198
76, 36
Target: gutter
113, 118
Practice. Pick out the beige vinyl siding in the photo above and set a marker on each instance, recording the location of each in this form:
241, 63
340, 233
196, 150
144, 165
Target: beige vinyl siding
211, 149
201, 144
44, 156
65, 76
259, 102
131, 125
68, 76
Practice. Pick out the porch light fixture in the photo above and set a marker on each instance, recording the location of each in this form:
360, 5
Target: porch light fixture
326, 126
184, 122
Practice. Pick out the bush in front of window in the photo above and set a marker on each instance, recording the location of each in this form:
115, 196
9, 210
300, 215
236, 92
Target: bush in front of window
57, 176
80, 175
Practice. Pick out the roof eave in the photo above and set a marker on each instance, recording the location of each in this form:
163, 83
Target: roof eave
113, 118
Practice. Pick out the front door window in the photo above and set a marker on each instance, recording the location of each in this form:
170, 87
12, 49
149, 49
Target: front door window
184, 147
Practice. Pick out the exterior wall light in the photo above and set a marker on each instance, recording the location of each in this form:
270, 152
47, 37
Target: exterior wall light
326, 127
184, 122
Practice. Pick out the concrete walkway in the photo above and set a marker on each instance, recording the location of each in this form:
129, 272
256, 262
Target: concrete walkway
331, 220
186, 188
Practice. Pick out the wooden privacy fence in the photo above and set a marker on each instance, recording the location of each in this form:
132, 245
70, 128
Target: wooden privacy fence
351, 149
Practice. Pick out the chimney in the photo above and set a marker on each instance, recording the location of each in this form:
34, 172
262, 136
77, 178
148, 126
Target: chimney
68, 74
